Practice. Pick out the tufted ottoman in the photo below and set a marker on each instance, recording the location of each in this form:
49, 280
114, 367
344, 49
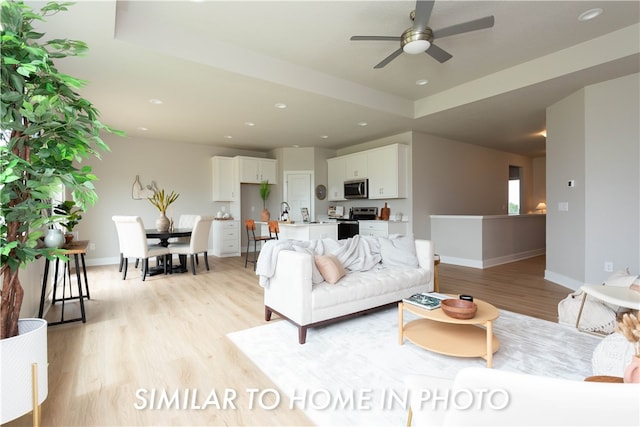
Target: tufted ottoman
612, 356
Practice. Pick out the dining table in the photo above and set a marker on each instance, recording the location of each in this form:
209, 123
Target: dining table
164, 237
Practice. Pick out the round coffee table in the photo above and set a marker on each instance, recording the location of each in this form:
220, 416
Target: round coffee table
437, 332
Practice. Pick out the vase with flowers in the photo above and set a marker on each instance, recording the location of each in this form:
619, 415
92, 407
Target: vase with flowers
629, 328
161, 201
265, 189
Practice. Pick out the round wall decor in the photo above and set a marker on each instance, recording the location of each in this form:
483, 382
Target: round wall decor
321, 192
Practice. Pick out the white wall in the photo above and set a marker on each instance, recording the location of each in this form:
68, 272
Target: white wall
455, 178
594, 139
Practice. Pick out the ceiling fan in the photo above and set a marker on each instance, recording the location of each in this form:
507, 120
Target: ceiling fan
420, 37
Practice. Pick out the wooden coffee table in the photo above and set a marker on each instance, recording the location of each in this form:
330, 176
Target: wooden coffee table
437, 332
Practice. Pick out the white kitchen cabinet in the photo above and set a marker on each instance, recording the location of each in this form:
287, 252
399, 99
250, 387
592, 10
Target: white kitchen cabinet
388, 172
226, 238
356, 166
335, 178
254, 170
382, 228
224, 178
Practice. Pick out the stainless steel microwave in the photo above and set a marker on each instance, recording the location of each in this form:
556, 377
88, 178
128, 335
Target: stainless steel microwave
356, 189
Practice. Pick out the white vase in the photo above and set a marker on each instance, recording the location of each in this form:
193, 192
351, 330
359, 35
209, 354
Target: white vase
17, 355
54, 238
163, 223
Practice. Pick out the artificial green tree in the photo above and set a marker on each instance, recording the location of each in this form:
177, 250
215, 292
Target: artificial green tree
48, 130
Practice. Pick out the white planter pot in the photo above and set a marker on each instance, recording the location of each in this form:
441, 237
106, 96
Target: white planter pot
17, 354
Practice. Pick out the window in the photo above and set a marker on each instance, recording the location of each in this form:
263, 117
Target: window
514, 190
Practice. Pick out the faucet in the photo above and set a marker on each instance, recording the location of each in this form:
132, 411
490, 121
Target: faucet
284, 207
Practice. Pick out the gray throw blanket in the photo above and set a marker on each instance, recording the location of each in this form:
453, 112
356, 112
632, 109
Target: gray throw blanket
359, 253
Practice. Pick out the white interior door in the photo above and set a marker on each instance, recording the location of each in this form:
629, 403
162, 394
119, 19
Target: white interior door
298, 191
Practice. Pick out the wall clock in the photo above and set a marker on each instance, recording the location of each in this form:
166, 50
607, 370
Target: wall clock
321, 192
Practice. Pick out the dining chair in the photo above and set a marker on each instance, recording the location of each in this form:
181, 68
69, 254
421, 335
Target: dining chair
198, 243
133, 244
250, 225
185, 221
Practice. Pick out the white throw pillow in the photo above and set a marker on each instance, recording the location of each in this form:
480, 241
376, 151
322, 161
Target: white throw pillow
621, 278
316, 277
399, 251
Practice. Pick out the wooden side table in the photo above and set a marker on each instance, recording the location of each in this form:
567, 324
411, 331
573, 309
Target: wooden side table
78, 249
436, 261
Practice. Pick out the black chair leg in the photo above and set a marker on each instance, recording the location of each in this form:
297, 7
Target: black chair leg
145, 266
121, 262
246, 258
206, 259
124, 268
255, 254
193, 264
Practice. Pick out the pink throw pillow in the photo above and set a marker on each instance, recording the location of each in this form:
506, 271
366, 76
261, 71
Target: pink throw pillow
330, 268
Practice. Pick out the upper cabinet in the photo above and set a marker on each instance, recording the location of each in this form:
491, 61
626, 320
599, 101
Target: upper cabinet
388, 172
386, 168
335, 178
356, 166
254, 170
225, 184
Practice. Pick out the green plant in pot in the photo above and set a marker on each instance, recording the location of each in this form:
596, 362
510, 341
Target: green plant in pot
70, 216
48, 130
265, 190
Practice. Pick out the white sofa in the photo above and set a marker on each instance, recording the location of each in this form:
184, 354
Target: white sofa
490, 397
292, 295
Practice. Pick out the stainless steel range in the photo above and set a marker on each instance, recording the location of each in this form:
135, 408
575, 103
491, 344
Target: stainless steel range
349, 227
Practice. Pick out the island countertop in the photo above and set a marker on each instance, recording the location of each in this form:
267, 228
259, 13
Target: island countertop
304, 230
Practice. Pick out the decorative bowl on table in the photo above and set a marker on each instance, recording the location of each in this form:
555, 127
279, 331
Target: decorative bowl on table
459, 309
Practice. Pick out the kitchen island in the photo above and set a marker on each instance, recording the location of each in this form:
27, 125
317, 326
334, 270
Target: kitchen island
304, 231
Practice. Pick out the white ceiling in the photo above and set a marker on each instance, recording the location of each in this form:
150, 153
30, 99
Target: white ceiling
219, 64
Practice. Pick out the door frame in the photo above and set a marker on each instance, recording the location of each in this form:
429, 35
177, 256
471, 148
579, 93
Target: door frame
285, 188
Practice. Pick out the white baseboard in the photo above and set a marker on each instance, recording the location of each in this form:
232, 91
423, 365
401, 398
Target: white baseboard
491, 262
565, 281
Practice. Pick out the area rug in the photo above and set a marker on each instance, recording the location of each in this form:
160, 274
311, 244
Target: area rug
351, 372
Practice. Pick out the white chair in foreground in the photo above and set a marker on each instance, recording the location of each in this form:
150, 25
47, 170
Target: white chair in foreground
199, 243
133, 244
491, 397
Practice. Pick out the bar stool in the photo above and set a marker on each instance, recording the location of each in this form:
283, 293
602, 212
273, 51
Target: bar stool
250, 225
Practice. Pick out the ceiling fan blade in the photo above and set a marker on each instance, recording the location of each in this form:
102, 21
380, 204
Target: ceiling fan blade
384, 38
389, 58
465, 27
422, 14
438, 54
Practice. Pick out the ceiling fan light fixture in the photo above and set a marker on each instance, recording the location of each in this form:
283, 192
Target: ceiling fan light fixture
417, 46
415, 42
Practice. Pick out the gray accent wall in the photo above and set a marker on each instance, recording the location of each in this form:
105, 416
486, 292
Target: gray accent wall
593, 138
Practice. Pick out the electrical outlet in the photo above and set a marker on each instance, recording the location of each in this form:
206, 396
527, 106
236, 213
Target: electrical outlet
608, 266
92, 246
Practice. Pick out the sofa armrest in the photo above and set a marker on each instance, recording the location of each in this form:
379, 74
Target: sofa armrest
289, 290
424, 252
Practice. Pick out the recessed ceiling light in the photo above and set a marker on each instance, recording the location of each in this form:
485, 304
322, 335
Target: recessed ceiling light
422, 82
324, 136
155, 101
296, 146
280, 105
363, 124
590, 14
228, 136
143, 129
250, 124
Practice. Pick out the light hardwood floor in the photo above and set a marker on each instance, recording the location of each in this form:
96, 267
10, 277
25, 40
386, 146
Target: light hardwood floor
169, 333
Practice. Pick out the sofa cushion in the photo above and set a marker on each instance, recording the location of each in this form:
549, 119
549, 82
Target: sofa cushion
361, 285
330, 268
399, 251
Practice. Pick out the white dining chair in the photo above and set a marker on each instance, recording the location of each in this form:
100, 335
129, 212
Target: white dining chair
199, 243
133, 244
